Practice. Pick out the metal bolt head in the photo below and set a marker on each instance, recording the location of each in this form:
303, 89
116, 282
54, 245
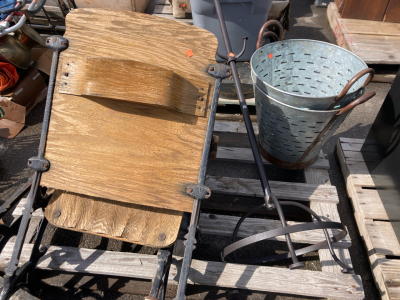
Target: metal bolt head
208, 193
162, 236
57, 214
45, 165
211, 69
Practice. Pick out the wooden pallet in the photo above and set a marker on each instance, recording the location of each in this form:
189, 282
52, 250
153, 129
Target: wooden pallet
323, 199
372, 220
374, 42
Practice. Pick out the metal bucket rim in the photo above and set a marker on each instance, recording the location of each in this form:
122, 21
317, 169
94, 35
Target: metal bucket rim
297, 108
297, 95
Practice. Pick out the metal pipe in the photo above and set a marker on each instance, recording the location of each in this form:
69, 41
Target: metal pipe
268, 196
220, 72
57, 44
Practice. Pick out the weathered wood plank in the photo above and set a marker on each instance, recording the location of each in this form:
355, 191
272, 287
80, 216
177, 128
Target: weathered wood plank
224, 225
370, 205
390, 269
379, 238
236, 127
163, 9
283, 190
374, 42
246, 155
136, 141
351, 140
382, 237
280, 280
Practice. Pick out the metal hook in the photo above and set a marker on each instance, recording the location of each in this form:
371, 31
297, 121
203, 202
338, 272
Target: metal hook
233, 56
244, 47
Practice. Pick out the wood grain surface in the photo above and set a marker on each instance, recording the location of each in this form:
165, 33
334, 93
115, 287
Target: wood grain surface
123, 151
134, 81
379, 237
210, 273
373, 41
123, 221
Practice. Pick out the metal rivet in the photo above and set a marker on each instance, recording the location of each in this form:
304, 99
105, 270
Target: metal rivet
162, 236
57, 214
190, 190
211, 69
45, 165
64, 43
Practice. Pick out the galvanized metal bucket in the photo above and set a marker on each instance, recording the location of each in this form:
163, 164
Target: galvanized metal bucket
309, 74
291, 137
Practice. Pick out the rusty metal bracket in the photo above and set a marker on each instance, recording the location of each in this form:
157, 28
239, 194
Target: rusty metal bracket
198, 191
39, 164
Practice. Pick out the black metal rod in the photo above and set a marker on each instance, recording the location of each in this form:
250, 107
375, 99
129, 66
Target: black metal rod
250, 132
190, 237
57, 44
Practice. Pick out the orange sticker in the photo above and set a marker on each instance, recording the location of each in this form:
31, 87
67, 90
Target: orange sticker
270, 56
183, 5
189, 53
231, 54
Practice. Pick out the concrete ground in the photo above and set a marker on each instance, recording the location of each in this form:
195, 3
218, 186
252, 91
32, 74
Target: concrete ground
306, 21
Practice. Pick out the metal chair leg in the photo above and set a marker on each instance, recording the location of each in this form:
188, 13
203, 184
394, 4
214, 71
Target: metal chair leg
161, 279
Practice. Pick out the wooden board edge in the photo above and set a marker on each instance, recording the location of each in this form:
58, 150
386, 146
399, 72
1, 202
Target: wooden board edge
132, 265
337, 27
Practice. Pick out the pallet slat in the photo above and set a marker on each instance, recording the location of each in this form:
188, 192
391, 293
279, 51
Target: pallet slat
163, 9
246, 155
378, 236
374, 42
224, 225
283, 190
281, 280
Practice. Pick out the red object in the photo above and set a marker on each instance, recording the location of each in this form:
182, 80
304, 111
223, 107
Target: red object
189, 53
270, 55
8, 76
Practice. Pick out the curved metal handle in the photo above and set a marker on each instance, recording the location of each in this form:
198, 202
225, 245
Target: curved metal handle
362, 99
353, 81
264, 27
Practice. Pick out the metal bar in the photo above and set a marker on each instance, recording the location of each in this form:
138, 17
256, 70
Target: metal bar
57, 44
158, 288
270, 200
220, 72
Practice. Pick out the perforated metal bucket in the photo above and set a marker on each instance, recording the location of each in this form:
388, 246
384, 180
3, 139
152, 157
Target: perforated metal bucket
309, 74
291, 137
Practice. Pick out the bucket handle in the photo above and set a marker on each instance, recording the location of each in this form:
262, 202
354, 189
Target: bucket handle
358, 101
350, 106
352, 81
262, 34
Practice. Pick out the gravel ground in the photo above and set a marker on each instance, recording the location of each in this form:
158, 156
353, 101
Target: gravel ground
306, 21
